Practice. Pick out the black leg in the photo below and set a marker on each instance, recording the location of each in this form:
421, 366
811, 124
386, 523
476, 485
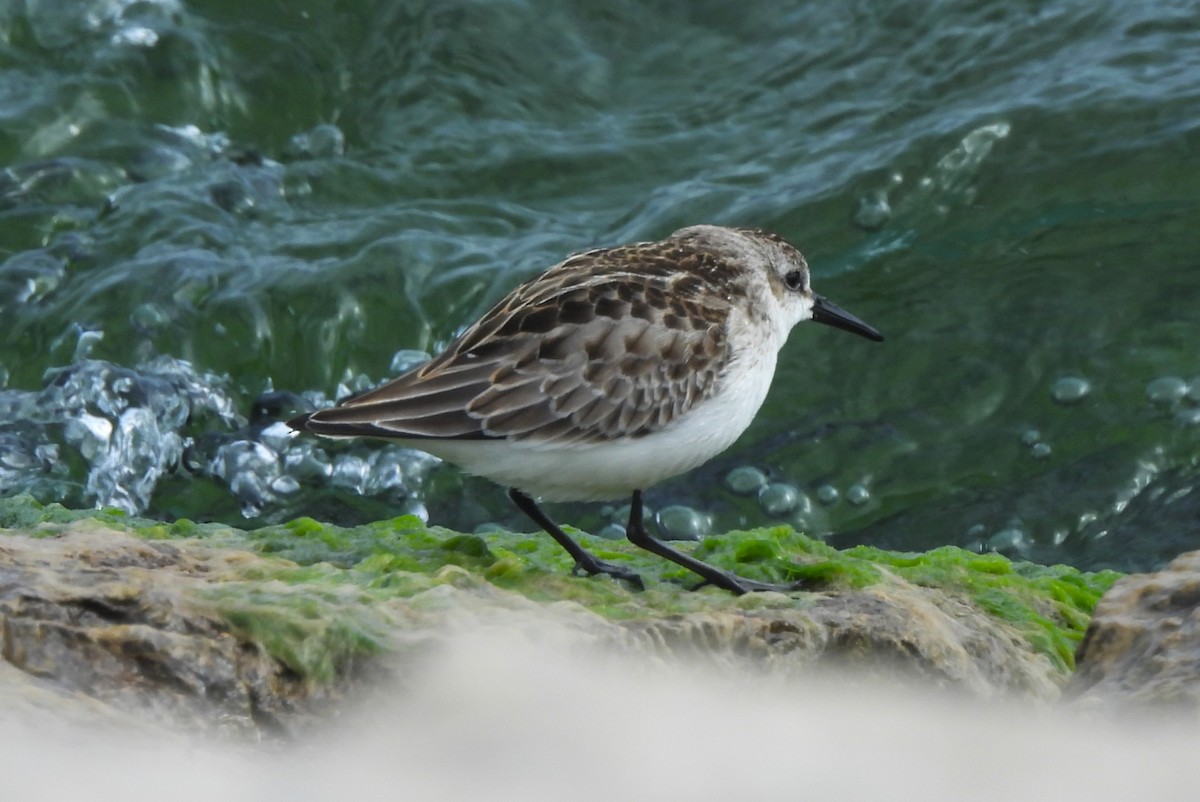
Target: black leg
584, 560
712, 575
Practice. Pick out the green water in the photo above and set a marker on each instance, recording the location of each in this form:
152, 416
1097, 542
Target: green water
290, 193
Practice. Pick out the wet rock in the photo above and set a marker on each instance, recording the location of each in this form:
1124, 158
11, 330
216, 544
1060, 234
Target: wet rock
199, 632
894, 632
122, 622
1143, 644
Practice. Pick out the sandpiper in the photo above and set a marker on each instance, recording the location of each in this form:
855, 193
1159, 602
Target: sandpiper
613, 370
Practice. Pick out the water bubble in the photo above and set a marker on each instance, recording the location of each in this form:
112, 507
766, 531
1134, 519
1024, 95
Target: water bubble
802, 512
349, 471
136, 35
385, 471
1040, 450
191, 134
621, 513
251, 470
15, 459
305, 459
277, 436
195, 460
27, 465
1188, 417
191, 293
828, 494
1070, 389
778, 498
858, 495
231, 196
612, 531
128, 425
324, 141
873, 211
29, 276
89, 434
1031, 436
139, 453
414, 465
359, 383
678, 522
87, 340
284, 485
250, 491
156, 161
243, 456
149, 319
406, 359
1166, 390
296, 184
955, 169
123, 386
745, 480
974, 538
417, 508
1009, 541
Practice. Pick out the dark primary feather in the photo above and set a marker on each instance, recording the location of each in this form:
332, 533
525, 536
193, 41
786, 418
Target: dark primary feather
607, 344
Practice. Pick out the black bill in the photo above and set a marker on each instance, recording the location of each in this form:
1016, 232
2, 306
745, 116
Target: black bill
833, 315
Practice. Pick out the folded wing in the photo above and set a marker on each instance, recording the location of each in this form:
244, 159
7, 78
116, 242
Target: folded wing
600, 347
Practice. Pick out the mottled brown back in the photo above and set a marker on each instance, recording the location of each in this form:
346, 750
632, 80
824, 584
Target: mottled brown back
610, 343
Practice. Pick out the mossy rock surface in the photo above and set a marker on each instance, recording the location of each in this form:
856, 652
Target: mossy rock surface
359, 568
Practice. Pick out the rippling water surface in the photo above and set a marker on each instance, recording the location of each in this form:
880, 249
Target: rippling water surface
207, 206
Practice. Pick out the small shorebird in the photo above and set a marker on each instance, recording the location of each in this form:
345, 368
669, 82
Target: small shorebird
613, 370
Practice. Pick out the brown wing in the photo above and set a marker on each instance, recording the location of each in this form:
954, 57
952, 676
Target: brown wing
607, 344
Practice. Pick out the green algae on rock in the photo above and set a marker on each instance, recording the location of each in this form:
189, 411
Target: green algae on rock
1048, 607
90, 610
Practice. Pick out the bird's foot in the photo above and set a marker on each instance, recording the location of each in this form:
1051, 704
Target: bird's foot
740, 585
597, 566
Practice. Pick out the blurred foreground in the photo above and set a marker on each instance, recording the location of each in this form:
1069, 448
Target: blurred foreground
498, 715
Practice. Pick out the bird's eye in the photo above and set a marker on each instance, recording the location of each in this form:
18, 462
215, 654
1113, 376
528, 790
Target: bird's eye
794, 279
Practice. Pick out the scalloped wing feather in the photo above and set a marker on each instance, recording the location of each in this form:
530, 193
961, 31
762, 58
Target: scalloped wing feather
608, 344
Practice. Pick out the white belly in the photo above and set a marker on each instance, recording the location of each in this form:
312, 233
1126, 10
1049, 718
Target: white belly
613, 469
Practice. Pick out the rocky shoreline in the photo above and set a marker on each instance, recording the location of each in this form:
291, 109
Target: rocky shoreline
265, 633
